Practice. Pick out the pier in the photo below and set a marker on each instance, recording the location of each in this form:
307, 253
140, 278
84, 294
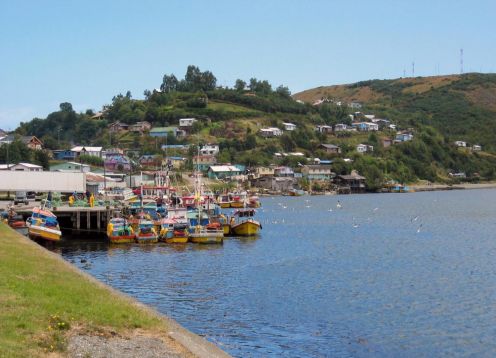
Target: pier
73, 218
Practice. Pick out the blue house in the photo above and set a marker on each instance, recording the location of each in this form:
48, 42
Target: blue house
64, 154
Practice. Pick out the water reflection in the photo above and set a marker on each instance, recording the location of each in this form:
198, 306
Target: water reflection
325, 281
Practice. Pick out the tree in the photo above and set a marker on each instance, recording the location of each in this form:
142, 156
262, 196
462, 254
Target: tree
239, 85
66, 107
283, 91
169, 83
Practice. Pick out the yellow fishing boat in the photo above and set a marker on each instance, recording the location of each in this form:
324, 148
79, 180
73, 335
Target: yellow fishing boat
120, 232
224, 201
43, 224
200, 235
243, 224
173, 232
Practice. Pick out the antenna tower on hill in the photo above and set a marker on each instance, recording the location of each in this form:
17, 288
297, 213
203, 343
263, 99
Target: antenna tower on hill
461, 61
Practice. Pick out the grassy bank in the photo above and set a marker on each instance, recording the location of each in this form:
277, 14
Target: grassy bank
43, 299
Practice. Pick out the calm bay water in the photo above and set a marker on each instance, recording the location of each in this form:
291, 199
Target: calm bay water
384, 275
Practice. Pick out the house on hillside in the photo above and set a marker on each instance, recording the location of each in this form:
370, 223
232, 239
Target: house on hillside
26, 167
209, 149
70, 167
63, 154
31, 141
330, 148
403, 137
341, 127
270, 132
83, 150
289, 126
283, 184
386, 142
283, 171
203, 162
187, 122
140, 127
175, 162
180, 147
150, 160
223, 171
366, 126
118, 127
323, 129
355, 105
460, 143
363, 148
163, 131
117, 162
317, 172
350, 184
476, 148
264, 171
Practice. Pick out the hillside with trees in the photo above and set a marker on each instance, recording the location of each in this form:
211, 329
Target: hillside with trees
437, 110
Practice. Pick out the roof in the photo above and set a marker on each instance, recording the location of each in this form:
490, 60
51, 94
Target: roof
317, 166
163, 129
6, 166
71, 163
330, 146
29, 165
87, 149
224, 168
351, 177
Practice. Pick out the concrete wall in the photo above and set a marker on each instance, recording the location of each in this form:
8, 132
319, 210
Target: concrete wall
42, 181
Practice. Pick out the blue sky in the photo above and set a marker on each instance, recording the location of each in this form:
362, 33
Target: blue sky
85, 52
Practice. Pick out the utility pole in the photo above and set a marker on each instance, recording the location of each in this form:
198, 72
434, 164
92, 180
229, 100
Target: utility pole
413, 69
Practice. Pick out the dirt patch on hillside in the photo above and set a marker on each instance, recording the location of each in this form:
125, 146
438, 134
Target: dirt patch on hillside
483, 97
424, 84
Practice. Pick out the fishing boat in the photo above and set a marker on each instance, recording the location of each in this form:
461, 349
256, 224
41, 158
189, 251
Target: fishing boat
180, 234
119, 231
43, 224
220, 221
224, 201
243, 223
146, 232
238, 201
296, 192
253, 202
202, 235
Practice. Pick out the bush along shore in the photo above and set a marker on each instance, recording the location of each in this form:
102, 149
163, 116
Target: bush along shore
50, 308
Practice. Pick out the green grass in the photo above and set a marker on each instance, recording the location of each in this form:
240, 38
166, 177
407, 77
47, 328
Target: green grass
228, 107
42, 297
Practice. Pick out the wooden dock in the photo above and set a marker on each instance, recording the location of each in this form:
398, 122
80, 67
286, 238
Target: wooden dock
77, 218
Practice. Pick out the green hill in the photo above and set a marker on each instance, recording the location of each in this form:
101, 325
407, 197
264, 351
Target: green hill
461, 107
437, 110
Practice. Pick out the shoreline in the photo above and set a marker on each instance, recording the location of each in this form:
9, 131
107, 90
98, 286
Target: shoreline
177, 340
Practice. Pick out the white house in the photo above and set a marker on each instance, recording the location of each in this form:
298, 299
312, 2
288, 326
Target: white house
323, 129
289, 126
26, 167
340, 127
460, 143
82, 150
476, 148
186, 122
369, 116
363, 148
209, 149
270, 132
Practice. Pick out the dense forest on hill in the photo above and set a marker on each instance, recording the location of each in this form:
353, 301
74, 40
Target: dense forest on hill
437, 110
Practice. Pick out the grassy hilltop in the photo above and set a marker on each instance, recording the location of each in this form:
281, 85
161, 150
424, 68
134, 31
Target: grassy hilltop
439, 111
